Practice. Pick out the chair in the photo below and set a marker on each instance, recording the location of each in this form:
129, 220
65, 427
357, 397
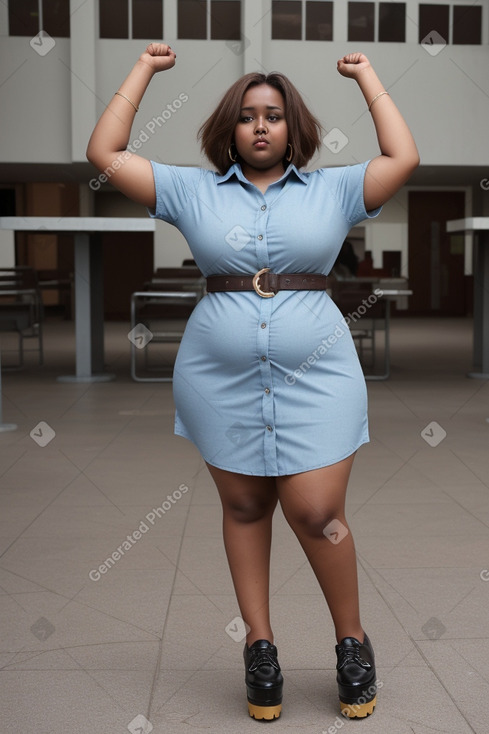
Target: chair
159, 314
364, 320
21, 309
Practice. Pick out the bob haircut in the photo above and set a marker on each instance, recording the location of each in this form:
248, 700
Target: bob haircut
217, 132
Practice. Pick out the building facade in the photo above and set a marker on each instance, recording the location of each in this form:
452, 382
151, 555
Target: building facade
62, 61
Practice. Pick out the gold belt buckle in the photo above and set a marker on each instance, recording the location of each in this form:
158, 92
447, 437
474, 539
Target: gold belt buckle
256, 285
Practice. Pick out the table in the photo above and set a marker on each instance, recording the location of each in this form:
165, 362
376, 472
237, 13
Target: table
89, 298
389, 295
479, 226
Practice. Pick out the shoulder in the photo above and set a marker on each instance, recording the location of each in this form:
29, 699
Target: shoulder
334, 174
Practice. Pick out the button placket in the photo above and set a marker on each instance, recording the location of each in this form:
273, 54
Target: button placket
267, 403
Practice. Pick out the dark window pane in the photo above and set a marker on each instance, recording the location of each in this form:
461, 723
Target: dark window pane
147, 19
23, 18
319, 21
192, 19
392, 22
361, 21
467, 24
114, 19
226, 20
433, 18
287, 20
56, 17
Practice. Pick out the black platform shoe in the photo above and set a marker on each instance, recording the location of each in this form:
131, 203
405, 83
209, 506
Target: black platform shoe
356, 677
264, 681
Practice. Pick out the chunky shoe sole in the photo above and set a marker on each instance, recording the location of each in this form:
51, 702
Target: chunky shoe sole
358, 710
264, 712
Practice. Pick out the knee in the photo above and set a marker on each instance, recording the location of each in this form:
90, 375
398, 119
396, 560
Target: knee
248, 510
318, 523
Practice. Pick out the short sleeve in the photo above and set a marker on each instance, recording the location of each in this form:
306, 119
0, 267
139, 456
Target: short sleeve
175, 186
348, 190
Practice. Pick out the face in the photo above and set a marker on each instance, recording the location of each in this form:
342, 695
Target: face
261, 135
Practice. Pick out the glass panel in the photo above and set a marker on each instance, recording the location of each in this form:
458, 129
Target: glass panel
226, 20
361, 21
433, 18
467, 24
192, 19
319, 21
392, 22
56, 17
114, 18
287, 20
23, 18
147, 19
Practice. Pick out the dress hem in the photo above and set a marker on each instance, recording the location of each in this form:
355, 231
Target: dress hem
321, 464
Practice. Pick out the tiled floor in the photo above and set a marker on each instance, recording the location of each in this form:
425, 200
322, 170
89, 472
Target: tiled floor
84, 651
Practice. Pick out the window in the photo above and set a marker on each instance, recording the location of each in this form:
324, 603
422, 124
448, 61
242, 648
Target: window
319, 21
29, 17
467, 24
288, 23
458, 24
392, 22
361, 21
433, 18
219, 20
131, 19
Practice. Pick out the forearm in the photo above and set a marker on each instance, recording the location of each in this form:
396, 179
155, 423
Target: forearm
394, 137
112, 131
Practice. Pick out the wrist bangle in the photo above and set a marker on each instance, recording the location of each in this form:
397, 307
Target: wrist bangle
123, 95
375, 98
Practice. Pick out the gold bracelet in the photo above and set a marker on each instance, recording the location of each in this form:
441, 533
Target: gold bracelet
376, 97
123, 95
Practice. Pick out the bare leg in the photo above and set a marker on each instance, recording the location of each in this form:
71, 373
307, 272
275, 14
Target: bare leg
310, 502
248, 504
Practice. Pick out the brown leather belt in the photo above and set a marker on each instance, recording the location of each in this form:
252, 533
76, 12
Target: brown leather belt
268, 284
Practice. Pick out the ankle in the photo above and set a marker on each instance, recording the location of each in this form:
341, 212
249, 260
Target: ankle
353, 631
254, 635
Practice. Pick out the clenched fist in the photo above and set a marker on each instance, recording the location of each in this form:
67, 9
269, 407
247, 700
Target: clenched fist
351, 64
159, 57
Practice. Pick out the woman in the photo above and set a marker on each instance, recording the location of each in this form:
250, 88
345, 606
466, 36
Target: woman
267, 382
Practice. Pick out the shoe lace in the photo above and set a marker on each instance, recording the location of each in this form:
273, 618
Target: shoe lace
263, 657
351, 655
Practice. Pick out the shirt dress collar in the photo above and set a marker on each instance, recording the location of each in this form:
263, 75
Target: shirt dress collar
235, 170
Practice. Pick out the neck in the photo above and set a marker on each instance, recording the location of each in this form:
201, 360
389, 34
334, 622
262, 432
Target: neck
262, 177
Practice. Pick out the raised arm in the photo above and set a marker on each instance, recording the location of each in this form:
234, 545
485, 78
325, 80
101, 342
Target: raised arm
399, 156
107, 148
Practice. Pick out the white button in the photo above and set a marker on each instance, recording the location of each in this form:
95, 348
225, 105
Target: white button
260, 236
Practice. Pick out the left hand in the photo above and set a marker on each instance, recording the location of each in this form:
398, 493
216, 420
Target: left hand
352, 64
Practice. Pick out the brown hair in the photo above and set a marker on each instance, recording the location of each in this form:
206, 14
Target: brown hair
217, 132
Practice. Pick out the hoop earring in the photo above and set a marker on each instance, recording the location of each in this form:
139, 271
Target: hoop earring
289, 157
229, 154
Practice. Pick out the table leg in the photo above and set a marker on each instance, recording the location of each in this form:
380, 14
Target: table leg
4, 426
481, 307
89, 311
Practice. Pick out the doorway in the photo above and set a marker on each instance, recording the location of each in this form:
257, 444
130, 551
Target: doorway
436, 258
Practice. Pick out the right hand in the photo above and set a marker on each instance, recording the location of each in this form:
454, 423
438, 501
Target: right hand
159, 57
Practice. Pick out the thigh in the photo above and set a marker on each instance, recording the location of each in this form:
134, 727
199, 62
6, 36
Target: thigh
315, 496
248, 497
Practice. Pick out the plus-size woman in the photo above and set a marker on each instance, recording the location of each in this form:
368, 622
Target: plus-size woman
267, 382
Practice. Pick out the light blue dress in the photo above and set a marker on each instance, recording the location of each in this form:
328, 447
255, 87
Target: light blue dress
266, 386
